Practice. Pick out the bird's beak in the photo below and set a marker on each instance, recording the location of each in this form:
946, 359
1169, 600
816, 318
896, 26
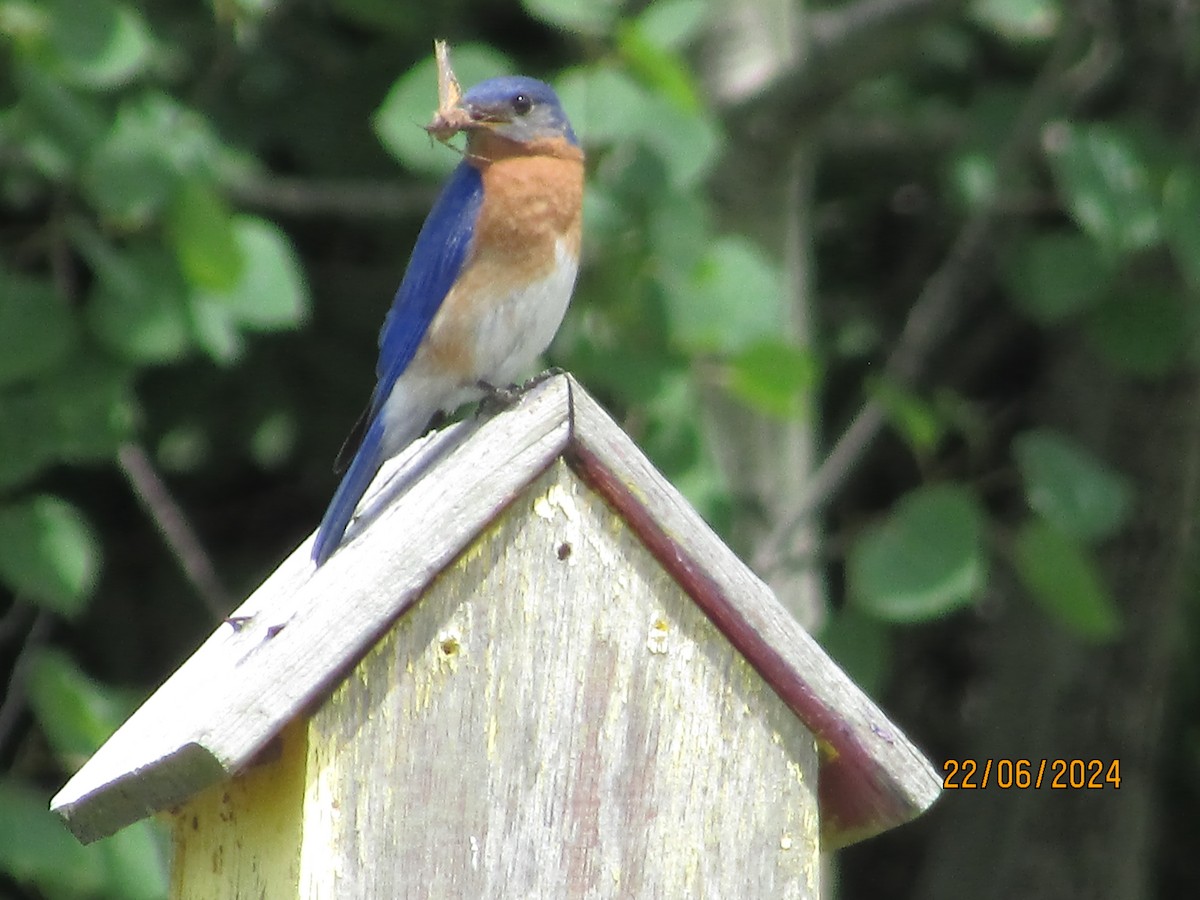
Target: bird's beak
466, 117
484, 116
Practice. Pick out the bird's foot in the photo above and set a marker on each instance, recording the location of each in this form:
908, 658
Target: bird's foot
552, 372
497, 399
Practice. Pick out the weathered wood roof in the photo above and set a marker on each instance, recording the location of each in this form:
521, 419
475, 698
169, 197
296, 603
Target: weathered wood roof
302, 630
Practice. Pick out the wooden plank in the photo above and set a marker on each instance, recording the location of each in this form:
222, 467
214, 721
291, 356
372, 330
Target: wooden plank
872, 777
241, 837
302, 631
556, 718
303, 628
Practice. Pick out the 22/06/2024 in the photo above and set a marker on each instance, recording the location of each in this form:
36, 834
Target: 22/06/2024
1021, 774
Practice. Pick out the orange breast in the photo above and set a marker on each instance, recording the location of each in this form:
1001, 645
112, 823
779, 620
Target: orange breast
532, 201
532, 197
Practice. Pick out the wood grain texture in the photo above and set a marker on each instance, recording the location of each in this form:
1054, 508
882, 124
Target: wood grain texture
872, 777
303, 628
556, 718
302, 631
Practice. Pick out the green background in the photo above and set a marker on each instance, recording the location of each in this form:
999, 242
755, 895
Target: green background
902, 294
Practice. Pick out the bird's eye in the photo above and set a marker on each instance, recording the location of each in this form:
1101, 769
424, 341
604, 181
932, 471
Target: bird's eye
522, 104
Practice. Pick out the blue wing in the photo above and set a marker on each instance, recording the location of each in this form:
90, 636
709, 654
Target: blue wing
437, 259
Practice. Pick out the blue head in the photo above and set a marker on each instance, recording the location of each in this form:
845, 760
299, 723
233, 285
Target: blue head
518, 108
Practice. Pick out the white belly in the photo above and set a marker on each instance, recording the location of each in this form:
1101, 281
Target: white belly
519, 327
500, 345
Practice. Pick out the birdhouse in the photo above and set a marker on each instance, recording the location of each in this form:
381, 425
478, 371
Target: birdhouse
531, 670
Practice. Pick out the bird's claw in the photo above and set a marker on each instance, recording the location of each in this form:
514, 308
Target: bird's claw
552, 372
497, 399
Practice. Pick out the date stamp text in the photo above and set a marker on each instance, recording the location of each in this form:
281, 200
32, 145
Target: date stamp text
1031, 774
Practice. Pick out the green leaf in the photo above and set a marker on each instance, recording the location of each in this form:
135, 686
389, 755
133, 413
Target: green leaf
25, 25
37, 328
674, 442
910, 414
35, 848
974, 179
1062, 577
987, 122
130, 175
79, 414
605, 218
98, 44
1106, 183
774, 377
66, 125
591, 17
679, 234
48, 553
627, 370
91, 409
137, 305
688, 143
924, 560
200, 228
606, 105
409, 106
154, 121
135, 862
215, 330
673, 24
1181, 220
26, 450
127, 185
734, 299
270, 294
1019, 21
1070, 488
76, 713
1144, 329
662, 70
274, 440
1054, 275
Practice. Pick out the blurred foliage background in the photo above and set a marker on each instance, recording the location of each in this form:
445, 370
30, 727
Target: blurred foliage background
901, 293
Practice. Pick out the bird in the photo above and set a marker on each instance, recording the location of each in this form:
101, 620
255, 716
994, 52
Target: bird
487, 285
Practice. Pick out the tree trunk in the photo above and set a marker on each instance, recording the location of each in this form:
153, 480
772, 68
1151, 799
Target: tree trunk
768, 193
1049, 696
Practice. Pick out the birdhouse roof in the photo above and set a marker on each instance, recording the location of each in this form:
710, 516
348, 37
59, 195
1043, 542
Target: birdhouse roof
304, 628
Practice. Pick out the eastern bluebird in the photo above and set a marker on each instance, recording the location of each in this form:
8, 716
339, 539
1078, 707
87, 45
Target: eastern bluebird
488, 283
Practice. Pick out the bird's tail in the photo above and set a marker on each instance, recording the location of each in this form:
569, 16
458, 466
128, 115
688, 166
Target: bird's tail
358, 477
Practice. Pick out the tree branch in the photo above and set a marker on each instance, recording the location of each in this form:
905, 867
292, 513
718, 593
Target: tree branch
13, 702
942, 301
172, 524
833, 29
343, 198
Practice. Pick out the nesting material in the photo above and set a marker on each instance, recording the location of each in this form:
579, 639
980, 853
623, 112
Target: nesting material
450, 118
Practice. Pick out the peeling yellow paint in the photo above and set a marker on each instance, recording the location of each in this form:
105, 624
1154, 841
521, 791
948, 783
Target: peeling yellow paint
542, 508
827, 750
656, 640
